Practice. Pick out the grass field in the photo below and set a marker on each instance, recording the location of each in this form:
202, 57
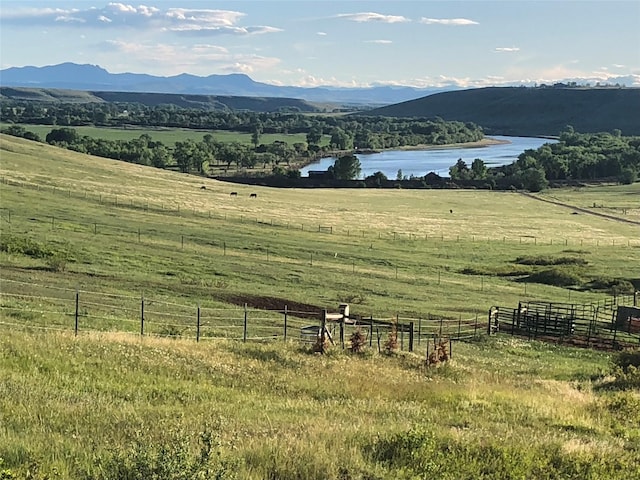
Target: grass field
169, 136
90, 405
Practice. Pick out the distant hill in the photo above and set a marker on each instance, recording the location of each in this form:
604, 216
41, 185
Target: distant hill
71, 76
530, 111
206, 102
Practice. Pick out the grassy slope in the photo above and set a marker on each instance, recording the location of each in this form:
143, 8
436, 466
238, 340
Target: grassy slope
499, 407
528, 111
216, 102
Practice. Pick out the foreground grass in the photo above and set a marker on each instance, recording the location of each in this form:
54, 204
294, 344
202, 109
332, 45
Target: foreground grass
500, 409
102, 405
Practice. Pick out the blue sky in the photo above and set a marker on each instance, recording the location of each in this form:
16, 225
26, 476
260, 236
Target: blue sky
343, 43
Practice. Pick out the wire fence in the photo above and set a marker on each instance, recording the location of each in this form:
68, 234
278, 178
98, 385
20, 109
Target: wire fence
175, 208
32, 306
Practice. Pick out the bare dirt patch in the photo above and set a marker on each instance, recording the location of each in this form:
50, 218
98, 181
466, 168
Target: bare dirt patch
297, 309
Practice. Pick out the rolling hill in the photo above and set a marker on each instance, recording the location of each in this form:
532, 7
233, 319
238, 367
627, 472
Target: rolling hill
530, 111
206, 102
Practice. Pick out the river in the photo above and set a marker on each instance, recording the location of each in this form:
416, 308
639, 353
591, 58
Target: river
420, 162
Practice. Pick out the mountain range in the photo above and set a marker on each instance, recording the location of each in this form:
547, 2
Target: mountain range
72, 76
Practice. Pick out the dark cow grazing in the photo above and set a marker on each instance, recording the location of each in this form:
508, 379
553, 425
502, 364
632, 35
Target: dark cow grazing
203, 187
234, 194
253, 195
450, 211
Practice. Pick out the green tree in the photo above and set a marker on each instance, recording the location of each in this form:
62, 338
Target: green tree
478, 170
376, 180
459, 171
346, 167
314, 135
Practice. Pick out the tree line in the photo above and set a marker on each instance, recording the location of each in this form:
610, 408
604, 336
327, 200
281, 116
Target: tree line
323, 134
575, 157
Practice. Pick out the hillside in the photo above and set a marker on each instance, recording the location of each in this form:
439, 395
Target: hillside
530, 111
116, 247
205, 102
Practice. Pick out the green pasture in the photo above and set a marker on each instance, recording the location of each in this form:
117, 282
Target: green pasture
113, 406
170, 136
399, 252
92, 406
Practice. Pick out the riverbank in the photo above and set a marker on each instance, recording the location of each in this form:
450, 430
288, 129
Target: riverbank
485, 142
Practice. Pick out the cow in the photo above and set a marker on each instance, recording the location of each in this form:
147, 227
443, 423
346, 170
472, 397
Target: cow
253, 195
234, 194
203, 187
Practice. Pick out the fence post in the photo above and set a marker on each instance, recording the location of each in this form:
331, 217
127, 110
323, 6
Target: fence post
77, 305
411, 336
323, 327
419, 329
244, 330
371, 330
198, 325
459, 325
440, 334
141, 315
285, 323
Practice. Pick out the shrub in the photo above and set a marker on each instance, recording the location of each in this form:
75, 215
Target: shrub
391, 345
358, 341
439, 355
559, 277
548, 261
615, 286
173, 459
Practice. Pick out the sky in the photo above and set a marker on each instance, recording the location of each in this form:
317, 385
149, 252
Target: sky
355, 43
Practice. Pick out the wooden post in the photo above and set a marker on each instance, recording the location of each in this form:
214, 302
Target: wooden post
411, 336
182, 241
440, 333
138, 234
95, 228
342, 333
371, 330
285, 323
244, 330
198, 325
142, 315
419, 329
323, 327
75, 330
459, 325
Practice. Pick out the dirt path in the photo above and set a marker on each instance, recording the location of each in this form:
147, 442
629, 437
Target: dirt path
581, 210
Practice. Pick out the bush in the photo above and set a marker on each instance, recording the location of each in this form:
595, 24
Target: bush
558, 277
173, 459
615, 286
391, 345
358, 341
548, 261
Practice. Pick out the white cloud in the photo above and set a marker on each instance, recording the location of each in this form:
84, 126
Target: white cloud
373, 17
380, 42
448, 21
200, 59
322, 34
114, 15
507, 49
